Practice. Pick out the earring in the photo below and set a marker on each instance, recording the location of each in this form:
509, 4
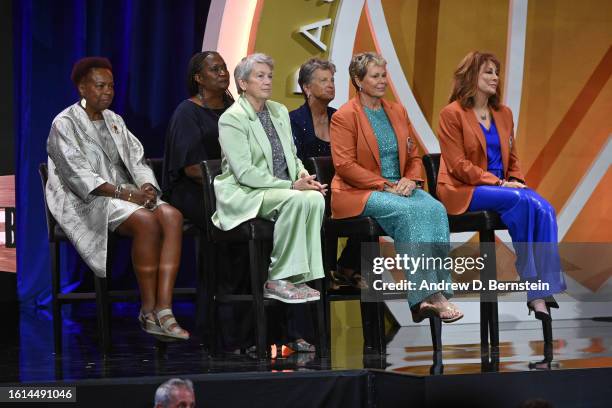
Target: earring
359, 86
83, 103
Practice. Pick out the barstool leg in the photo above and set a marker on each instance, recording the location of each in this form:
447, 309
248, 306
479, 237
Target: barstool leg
435, 325
255, 254
54, 248
102, 306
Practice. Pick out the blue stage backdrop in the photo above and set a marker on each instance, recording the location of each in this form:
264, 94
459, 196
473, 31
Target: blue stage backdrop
149, 43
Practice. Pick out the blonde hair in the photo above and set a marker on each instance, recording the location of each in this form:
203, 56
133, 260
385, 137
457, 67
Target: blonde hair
358, 67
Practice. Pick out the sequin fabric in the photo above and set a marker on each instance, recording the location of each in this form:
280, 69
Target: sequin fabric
279, 164
387, 143
418, 223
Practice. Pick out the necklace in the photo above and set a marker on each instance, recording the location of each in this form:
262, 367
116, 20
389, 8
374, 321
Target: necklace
215, 111
483, 116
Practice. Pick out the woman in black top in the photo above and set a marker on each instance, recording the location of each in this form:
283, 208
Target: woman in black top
193, 134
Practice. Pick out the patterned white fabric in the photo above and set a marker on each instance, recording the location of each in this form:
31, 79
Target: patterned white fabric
78, 164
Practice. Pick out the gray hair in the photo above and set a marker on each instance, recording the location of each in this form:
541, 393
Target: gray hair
245, 66
309, 67
359, 65
163, 394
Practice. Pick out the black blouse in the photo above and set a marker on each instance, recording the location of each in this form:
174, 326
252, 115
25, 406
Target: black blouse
192, 136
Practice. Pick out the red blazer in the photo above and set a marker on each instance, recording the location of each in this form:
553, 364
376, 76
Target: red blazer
464, 155
356, 157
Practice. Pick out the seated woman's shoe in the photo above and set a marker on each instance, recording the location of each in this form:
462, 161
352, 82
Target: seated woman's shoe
426, 310
148, 324
540, 314
311, 294
348, 277
170, 329
284, 291
301, 346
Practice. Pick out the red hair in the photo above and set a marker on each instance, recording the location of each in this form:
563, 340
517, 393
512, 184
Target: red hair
465, 80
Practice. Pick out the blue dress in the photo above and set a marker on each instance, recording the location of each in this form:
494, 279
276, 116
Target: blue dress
531, 222
416, 219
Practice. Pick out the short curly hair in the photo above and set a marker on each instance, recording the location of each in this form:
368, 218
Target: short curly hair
358, 68
81, 68
308, 69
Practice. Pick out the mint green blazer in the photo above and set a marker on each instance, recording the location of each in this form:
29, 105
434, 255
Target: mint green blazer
246, 167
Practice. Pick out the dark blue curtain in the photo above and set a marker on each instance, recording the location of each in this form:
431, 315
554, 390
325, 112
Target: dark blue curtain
149, 43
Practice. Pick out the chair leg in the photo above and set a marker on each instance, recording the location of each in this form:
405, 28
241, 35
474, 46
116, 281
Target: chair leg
256, 254
209, 291
54, 248
484, 322
380, 332
435, 325
494, 323
317, 311
102, 307
330, 253
489, 327
547, 332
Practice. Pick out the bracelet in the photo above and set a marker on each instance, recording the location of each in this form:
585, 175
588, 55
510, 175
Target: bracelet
291, 188
118, 191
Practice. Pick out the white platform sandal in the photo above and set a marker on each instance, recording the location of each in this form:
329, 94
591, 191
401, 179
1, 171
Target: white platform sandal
168, 332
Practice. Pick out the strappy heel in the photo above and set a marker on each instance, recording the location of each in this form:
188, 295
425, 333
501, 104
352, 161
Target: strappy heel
421, 313
168, 332
541, 316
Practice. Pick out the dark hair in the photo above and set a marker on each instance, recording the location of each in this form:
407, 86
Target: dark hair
465, 81
81, 68
309, 67
196, 63
195, 66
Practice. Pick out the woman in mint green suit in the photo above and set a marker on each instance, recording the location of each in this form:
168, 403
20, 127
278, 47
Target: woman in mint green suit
263, 177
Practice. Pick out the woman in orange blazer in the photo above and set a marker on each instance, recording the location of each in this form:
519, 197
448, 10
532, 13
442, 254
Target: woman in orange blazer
378, 171
480, 170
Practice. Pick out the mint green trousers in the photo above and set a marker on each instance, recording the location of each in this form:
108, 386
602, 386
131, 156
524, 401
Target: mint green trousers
298, 215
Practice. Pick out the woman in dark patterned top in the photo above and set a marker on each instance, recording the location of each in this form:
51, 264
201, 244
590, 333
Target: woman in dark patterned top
310, 127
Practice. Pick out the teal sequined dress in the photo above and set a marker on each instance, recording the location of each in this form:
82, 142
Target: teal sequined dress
418, 223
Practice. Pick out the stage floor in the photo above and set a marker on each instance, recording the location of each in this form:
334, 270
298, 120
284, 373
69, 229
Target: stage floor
29, 357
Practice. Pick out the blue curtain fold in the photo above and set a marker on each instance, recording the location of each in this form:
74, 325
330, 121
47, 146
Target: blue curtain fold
149, 43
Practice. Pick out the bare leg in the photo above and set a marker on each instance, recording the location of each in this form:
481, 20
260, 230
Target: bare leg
143, 227
171, 222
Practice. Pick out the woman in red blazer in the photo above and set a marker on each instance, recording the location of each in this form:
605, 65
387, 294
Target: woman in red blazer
480, 170
378, 172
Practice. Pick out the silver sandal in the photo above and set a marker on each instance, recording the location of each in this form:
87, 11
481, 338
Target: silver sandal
311, 294
284, 291
169, 333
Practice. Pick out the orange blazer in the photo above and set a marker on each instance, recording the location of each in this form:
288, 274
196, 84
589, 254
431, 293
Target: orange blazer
464, 155
356, 157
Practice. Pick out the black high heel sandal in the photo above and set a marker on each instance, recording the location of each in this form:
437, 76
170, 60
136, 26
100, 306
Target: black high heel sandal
545, 318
